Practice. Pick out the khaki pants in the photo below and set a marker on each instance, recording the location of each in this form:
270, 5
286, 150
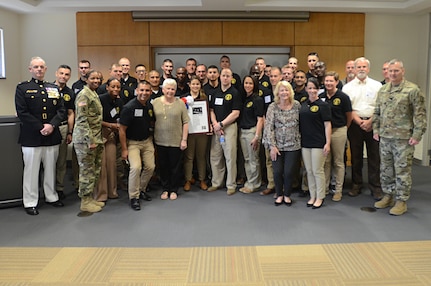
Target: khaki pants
142, 165
335, 159
224, 157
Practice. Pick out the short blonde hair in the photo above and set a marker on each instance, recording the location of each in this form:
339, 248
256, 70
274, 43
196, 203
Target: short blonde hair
287, 85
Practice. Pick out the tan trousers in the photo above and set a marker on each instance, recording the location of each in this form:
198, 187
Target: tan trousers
107, 185
335, 159
196, 148
251, 159
142, 164
224, 157
314, 161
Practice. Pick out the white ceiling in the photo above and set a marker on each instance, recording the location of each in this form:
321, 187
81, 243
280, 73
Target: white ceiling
368, 6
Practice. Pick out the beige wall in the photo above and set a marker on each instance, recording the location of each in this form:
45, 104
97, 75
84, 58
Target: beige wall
53, 37
10, 22
50, 36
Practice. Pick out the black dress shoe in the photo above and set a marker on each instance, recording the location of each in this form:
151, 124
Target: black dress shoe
309, 205
145, 196
57, 204
61, 195
32, 211
288, 203
278, 203
134, 203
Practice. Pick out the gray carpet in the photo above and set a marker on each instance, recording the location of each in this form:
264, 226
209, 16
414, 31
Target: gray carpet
198, 218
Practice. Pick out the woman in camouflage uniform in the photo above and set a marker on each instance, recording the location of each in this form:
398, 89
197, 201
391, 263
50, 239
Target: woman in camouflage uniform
87, 139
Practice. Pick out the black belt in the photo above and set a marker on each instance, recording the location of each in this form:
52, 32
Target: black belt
365, 118
63, 123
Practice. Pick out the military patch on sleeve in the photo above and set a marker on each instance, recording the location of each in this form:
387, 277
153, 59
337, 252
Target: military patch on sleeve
82, 103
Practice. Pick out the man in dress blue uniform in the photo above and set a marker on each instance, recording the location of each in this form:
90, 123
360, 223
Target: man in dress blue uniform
40, 108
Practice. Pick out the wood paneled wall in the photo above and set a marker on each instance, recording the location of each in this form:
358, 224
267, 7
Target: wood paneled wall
105, 37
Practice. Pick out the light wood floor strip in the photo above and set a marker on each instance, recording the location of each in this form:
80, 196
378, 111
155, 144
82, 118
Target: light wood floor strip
392, 263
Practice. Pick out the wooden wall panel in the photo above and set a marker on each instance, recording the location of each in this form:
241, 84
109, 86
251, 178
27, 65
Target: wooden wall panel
103, 57
185, 33
335, 57
258, 33
110, 28
334, 29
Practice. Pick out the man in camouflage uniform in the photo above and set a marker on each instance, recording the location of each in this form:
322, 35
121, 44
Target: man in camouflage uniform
399, 122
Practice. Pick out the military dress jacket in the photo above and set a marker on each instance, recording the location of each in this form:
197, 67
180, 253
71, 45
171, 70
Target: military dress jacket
38, 102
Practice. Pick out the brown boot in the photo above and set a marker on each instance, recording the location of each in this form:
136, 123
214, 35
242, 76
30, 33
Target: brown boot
399, 208
203, 185
356, 190
88, 206
386, 202
337, 196
187, 186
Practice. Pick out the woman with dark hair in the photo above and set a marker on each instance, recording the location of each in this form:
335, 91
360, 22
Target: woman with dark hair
283, 139
112, 105
88, 141
197, 143
251, 126
315, 127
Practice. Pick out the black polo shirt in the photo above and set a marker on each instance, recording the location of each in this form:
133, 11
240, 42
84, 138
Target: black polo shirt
111, 107
301, 95
224, 102
312, 117
131, 82
210, 90
138, 118
252, 108
68, 97
126, 93
78, 85
340, 104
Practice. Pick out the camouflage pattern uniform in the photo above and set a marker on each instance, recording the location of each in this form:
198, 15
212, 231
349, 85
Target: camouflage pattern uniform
398, 116
88, 130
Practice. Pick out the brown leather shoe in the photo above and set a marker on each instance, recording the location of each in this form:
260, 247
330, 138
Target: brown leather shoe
203, 185
266, 192
187, 186
192, 181
356, 190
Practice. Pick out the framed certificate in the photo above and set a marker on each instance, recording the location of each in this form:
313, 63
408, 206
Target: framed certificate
199, 117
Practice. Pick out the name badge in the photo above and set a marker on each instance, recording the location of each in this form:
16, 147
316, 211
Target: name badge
267, 98
218, 101
113, 112
139, 112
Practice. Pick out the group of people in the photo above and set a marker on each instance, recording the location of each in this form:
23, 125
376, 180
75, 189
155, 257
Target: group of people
258, 130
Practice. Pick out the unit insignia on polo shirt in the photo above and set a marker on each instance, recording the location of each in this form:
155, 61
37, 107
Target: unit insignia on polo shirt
150, 112
228, 96
250, 104
265, 84
337, 101
233, 81
314, 108
66, 97
126, 93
